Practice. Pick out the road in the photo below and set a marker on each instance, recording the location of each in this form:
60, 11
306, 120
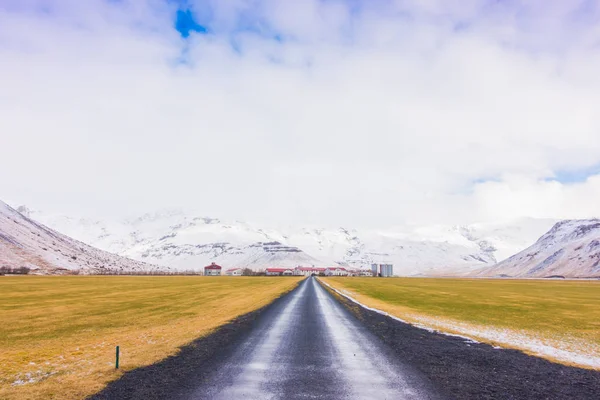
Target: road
310, 347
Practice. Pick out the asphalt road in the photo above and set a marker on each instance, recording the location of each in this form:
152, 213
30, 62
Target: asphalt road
312, 344
310, 347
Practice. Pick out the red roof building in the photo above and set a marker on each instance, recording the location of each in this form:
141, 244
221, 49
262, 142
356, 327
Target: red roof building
234, 272
212, 270
279, 271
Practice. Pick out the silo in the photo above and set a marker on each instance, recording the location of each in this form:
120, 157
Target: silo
387, 270
374, 269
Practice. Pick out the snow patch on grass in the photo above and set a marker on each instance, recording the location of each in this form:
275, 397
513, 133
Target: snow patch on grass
32, 377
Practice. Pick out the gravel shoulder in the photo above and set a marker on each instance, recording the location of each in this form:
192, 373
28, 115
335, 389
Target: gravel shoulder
466, 370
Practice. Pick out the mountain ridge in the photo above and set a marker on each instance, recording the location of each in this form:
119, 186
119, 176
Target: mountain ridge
27, 243
570, 249
184, 241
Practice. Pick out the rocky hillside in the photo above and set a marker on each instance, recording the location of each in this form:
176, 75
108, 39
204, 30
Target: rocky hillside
571, 249
27, 243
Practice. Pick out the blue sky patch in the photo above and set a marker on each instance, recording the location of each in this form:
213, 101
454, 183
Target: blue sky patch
575, 175
185, 23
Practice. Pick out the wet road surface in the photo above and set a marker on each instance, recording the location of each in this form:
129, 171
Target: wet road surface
310, 347
309, 344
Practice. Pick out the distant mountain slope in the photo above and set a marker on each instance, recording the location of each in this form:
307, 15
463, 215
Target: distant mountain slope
27, 243
570, 249
184, 241
428, 250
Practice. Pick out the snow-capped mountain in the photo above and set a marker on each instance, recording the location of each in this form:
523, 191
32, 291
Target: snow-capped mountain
184, 241
27, 243
570, 249
430, 250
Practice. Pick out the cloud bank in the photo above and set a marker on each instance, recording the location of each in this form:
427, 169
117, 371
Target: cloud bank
321, 112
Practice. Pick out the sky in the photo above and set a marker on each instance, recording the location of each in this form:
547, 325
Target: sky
328, 112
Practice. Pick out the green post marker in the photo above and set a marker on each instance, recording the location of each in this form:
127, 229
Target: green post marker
117, 361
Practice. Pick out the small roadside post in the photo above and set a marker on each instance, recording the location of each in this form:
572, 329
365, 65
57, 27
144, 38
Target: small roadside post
117, 359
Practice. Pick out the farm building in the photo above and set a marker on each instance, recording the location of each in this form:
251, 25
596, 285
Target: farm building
279, 271
336, 271
212, 270
234, 272
308, 271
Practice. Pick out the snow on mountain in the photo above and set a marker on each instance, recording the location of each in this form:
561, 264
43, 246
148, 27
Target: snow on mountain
183, 241
27, 243
412, 252
174, 239
570, 249
508, 238
430, 250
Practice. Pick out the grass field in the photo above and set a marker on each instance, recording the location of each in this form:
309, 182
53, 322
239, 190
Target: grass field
559, 320
58, 334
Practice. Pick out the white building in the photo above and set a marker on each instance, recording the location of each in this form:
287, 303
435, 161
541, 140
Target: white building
279, 271
336, 271
212, 270
308, 271
234, 272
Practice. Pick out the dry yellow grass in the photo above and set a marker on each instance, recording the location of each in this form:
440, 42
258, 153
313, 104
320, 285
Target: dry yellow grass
58, 334
557, 320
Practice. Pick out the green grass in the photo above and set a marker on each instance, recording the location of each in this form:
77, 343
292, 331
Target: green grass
560, 310
62, 330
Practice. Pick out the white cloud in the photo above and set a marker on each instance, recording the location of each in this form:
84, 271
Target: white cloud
517, 196
363, 117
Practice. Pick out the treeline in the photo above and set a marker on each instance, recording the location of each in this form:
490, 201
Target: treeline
25, 271
14, 270
249, 272
148, 273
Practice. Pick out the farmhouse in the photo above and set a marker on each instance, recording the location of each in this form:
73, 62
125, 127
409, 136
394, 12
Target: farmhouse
234, 272
279, 271
212, 270
336, 271
308, 271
